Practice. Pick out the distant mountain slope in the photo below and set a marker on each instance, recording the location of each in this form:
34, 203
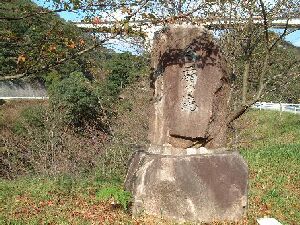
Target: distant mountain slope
31, 43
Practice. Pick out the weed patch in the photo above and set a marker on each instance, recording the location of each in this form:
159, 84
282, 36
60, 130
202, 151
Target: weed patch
117, 196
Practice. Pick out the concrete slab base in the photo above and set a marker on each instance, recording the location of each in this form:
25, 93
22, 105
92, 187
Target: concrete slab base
200, 187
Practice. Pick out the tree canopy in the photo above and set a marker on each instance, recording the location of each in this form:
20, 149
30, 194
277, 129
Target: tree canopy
33, 45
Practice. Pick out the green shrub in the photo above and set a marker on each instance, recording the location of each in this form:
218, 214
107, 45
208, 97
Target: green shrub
74, 98
19, 128
123, 69
30, 117
34, 115
107, 94
117, 194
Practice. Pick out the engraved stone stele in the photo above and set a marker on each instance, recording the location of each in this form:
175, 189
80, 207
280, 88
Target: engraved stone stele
190, 89
187, 174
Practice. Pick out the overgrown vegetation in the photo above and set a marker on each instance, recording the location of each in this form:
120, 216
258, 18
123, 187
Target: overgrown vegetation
260, 129
116, 195
42, 145
70, 134
273, 157
73, 97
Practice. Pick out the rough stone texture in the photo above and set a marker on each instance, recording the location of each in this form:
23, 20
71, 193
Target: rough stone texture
190, 89
185, 174
207, 187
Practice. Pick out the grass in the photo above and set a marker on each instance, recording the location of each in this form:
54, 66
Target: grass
260, 129
62, 200
269, 142
274, 182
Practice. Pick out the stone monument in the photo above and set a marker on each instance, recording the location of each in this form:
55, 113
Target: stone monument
187, 174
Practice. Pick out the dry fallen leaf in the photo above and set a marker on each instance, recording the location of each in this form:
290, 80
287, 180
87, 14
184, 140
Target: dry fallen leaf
71, 44
21, 58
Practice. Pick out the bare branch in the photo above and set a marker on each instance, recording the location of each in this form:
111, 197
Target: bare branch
265, 20
235, 115
281, 36
49, 66
245, 81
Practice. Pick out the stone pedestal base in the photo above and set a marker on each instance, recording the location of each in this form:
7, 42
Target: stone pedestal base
200, 187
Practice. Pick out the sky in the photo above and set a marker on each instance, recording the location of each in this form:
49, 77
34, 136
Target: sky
293, 38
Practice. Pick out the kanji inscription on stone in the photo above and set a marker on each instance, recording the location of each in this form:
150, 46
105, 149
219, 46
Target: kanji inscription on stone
190, 88
190, 79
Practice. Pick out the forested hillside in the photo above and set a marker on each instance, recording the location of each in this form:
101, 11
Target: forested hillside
33, 46
70, 132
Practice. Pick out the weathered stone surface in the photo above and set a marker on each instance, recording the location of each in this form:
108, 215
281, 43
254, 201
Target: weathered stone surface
201, 187
185, 174
190, 89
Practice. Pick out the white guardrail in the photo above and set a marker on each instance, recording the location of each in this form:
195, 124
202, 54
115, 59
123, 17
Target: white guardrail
25, 97
282, 107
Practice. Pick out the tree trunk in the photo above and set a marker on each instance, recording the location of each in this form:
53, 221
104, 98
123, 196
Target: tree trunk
245, 81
